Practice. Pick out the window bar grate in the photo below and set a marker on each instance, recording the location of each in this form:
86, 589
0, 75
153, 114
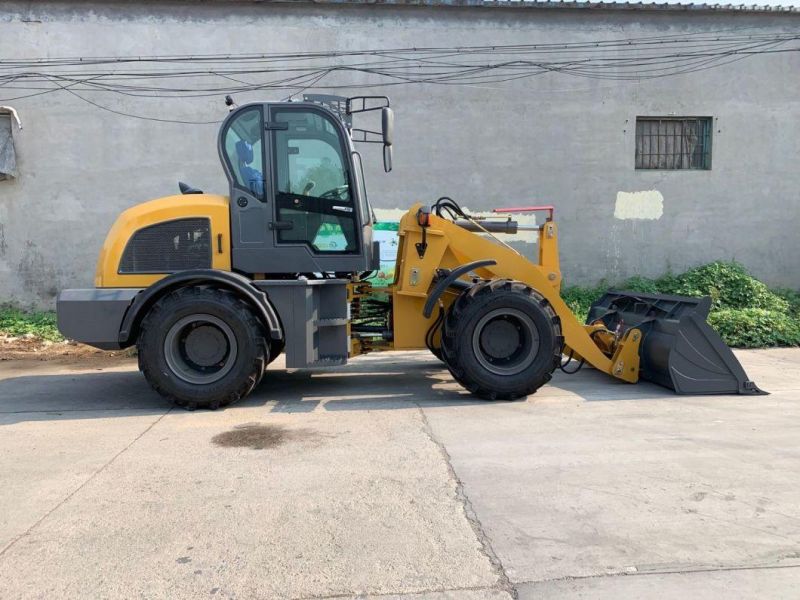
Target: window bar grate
673, 143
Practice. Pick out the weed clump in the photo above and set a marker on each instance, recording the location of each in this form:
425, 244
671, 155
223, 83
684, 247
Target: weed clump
744, 311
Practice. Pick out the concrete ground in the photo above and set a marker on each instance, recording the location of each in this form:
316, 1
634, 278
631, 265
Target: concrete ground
383, 479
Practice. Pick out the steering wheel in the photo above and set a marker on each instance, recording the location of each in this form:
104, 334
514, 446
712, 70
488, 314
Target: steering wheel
335, 193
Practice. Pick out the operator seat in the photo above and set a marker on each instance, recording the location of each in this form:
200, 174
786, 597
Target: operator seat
251, 176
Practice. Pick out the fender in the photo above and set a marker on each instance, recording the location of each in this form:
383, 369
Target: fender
449, 278
224, 279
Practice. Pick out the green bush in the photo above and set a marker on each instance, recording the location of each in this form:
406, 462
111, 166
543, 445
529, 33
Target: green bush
17, 323
729, 286
755, 327
745, 312
792, 297
641, 284
579, 299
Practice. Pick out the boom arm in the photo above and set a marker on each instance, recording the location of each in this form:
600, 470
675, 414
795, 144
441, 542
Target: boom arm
449, 246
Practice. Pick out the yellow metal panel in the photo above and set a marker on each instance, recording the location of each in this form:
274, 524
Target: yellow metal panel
548, 254
169, 208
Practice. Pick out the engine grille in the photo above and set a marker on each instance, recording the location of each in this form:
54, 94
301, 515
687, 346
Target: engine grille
168, 247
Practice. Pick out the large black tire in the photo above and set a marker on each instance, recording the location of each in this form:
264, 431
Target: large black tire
501, 340
202, 347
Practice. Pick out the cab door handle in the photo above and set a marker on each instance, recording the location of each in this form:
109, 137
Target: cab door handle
281, 225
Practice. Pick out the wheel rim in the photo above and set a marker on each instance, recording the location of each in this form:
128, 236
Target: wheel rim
505, 341
200, 349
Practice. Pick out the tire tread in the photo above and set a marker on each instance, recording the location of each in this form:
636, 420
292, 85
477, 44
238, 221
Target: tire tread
453, 347
148, 347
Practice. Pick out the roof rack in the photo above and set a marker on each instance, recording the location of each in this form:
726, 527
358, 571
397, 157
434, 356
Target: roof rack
336, 104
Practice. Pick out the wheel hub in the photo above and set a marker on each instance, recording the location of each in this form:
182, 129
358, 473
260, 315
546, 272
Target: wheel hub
505, 341
500, 338
200, 349
206, 345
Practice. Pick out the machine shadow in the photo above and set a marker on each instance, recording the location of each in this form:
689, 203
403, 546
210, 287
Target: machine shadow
368, 383
392, 383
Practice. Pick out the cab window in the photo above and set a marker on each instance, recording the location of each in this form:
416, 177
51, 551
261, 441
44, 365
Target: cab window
244, 151
313, 198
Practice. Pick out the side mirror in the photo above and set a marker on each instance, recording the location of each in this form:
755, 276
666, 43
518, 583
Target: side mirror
387, 158
387, 120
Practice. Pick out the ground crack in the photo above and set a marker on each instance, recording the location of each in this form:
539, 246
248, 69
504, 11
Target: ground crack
366, 595
504, 583
81, 486
688, 570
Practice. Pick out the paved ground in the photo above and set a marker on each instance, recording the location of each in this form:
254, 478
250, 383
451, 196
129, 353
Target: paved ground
384, 479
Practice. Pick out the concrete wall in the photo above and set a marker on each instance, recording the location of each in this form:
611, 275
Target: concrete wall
548, 139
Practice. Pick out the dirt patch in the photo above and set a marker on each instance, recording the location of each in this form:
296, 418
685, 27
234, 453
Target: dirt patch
260, 436
33, 348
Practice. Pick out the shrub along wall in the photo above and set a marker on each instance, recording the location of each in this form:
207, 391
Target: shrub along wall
744, 311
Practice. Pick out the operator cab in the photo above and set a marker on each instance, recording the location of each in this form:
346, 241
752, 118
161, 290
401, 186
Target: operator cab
297, 195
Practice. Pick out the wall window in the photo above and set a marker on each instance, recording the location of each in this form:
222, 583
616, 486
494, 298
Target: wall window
669, 143
8, 158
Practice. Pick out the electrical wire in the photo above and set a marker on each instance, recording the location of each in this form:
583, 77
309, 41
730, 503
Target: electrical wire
430, 335
197, 76
563, 365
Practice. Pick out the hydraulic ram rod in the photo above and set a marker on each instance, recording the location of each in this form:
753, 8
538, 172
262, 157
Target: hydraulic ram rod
481, 225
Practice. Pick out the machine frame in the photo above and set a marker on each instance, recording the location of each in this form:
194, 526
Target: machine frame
289, 294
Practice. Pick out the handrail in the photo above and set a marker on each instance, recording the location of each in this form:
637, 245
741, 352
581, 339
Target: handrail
522, 209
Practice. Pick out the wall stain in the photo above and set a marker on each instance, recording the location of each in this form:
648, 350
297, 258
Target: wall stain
38, 277
648, 205
259, 436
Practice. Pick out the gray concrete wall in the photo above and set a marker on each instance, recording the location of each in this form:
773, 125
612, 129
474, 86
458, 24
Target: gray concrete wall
548, 139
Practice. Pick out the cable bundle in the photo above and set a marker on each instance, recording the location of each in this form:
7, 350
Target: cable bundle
191, 76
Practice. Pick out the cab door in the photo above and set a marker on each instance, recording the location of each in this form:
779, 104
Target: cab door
243, 150
317, 217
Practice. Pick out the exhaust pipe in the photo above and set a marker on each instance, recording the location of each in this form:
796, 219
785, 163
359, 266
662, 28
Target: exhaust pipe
679, 349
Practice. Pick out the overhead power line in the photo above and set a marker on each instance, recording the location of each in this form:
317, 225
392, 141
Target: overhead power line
188, 76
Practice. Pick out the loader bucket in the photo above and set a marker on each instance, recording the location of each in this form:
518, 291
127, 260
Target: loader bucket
679, 349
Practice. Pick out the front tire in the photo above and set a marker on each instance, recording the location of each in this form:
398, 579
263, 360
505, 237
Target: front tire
202, 347
502, 340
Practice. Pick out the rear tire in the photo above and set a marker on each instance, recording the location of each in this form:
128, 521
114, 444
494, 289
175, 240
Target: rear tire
501, 340
275, 350
202, 347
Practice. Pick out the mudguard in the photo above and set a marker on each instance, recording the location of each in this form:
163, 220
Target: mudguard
226, 279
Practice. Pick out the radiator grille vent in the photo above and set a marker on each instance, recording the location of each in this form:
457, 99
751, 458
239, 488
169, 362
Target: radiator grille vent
169, 247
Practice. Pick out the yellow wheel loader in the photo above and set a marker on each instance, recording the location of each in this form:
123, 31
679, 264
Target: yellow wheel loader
211, 289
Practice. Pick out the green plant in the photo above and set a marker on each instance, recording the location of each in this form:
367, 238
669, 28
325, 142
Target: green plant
728, 284
640, 284
792, 297
579, 299
745, 312
18, 323
755, 327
